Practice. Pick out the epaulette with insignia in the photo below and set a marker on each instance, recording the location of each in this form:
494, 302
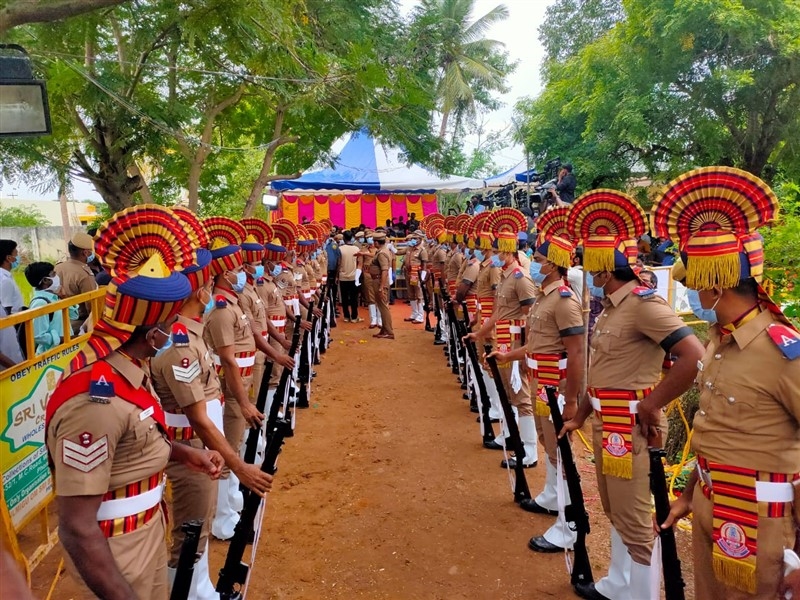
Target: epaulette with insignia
180, 335
643, 291
565, 291
101, 387
260, 281
220, 302
517, 274
786, 339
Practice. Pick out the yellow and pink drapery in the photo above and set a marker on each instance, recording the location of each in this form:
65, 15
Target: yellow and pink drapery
351, 210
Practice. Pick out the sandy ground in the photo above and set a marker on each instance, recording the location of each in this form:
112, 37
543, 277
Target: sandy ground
385, 492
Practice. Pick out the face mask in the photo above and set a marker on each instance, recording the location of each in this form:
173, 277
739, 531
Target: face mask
536, 273
276, 270
167, 344
241, 279
55, 284
596, 292
209, 306
479, 255
259, 272
15, 262
497, 261
529, 252
369, 240
412, 243
90, 258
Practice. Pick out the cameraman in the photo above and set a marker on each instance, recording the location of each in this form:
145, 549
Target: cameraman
565, 187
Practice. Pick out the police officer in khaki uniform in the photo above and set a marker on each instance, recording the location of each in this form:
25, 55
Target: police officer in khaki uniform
187, 385
746, 434
438, 260
632, 334
76, 276
514, 297
106, 431
379, 272
413, 265
555, 359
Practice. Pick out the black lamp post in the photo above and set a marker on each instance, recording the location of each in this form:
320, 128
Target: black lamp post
24, 109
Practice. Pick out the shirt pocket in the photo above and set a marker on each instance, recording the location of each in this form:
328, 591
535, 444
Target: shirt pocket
606, 339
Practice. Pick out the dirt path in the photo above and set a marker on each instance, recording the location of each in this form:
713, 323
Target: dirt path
386, 493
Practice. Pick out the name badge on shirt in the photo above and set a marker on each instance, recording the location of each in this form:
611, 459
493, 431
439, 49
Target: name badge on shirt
146, 413
700, 365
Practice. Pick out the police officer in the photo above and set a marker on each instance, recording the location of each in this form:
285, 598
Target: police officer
76, 276
746, 435
106, 431
634, 331
379, 273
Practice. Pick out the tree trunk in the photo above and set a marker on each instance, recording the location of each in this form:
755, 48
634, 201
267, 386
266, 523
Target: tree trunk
193, 185
63, 184
443, 127
25, 11
144, 191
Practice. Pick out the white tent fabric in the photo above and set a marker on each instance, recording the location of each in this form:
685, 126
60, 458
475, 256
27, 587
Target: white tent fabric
506, 177
363, 164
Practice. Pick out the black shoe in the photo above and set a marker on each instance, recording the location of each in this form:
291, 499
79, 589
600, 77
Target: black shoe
439, 342
530, 505
474, 409
539, 544
492, 445
478, 420
588, 591
431, 329
512, 464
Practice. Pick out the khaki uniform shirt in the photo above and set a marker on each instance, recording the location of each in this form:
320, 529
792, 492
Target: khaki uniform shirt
382, 261
184, 375
97, 447
470, 274
552, 317
253, 306
270, 295
76, 278
288, 287
514, 291
630, 339
453, 265
488, 279
301, 278
228, 325
311, 275
749, 401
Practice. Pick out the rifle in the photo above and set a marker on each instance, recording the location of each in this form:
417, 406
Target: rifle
306, 354
253, 435
185, 570
234, 575
281, 400
426, 305
462, 329
521, 491
670, 563
482, 392
322, 341
452, 337
576, 511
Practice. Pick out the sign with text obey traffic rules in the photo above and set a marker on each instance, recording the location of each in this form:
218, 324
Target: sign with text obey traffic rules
27, 484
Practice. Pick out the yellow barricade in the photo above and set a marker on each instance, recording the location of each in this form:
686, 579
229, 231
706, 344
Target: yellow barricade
27, 488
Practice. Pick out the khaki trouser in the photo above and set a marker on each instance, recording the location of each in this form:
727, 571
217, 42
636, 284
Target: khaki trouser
369, 293
383, 305
194, 496
258, 374
233, 423
774, 534
626, 502
545, 430
141, 557
522, 398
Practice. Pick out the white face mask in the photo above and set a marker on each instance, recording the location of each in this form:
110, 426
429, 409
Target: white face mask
55, 285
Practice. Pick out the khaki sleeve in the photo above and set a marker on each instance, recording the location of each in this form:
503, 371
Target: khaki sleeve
221, 327
471, 273
180, 369
526, 290
568, 316
494, 277
656, 319
87, 284
423, 255
82, 440
788, 390
383, 261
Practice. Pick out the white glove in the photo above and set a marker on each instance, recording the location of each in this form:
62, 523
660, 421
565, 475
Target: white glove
423, 275
516, 380
791, 562
358, 277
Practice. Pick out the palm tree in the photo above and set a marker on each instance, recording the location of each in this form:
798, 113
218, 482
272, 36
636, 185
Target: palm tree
465, 55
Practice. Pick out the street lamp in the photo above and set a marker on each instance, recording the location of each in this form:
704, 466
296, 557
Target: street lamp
24, 110
270, 203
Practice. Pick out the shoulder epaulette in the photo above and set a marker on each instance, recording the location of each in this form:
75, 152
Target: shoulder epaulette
565, 291
517, 273
180, 335
643, 291
101, 384
786, 339
220, 302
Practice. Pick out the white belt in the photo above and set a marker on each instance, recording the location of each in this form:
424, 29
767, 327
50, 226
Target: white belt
126, 507
241, 361
534, 364
265, 336
307, 295
633, 405
514, 329
288, 302
324, 279
278, 322
180, 420
766, 491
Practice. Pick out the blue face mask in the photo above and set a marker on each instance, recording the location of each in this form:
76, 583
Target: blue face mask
529, 252
536, 273
276, 270
596, 292
90, 258
163, 348
369, 240
412, 243
478, 255
496, 261
259, 272
210, 306
15, 262
241, 279
705, 314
